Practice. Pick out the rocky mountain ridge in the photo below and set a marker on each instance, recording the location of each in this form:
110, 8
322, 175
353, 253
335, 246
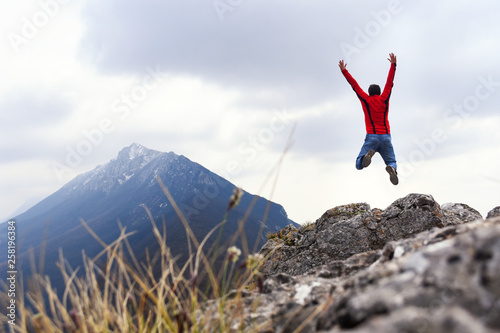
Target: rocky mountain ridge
415, 266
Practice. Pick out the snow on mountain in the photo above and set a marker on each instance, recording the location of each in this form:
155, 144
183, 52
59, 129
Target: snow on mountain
116, 172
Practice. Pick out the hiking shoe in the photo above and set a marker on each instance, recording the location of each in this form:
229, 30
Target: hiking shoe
393, 174
367, 159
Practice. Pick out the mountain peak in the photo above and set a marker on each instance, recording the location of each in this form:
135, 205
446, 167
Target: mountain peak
118, 171
135, 150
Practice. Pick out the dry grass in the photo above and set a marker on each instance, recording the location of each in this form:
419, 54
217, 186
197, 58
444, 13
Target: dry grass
123, 295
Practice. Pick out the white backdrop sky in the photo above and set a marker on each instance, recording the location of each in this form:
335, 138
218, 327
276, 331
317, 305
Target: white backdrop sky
224, 82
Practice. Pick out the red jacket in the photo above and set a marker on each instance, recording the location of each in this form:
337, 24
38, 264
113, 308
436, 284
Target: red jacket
376, 107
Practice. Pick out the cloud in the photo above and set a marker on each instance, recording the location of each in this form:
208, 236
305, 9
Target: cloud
224, 80
33, 108
262, 46
286, 55
28, 118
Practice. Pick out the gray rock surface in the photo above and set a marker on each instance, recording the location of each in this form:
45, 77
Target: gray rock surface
413, 267
460, 213
356, 228
493, 213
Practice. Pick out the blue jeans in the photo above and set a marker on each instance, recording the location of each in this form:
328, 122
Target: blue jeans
382, 144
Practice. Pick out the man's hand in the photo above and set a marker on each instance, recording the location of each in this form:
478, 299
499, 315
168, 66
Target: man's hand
392, 58
342, 65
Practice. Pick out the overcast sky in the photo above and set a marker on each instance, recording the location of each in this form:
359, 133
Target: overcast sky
225, 82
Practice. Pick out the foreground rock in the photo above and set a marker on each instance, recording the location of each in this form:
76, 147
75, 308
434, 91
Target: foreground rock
494, 212
351, 229
413, 267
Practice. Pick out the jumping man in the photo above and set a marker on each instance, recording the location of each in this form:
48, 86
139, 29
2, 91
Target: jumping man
378, 132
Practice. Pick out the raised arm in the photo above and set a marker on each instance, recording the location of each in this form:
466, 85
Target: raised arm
390, 77
355, 86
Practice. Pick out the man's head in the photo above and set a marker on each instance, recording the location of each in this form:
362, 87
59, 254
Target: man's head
374, 89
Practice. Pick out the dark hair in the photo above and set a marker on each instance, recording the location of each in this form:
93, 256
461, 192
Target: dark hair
374, 90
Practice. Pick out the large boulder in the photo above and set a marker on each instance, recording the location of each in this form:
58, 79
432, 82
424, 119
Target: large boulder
458, 213
414, 267
493, 213
441, 280
347, 230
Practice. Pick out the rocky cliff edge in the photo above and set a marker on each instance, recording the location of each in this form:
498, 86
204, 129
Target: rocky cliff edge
416, 266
